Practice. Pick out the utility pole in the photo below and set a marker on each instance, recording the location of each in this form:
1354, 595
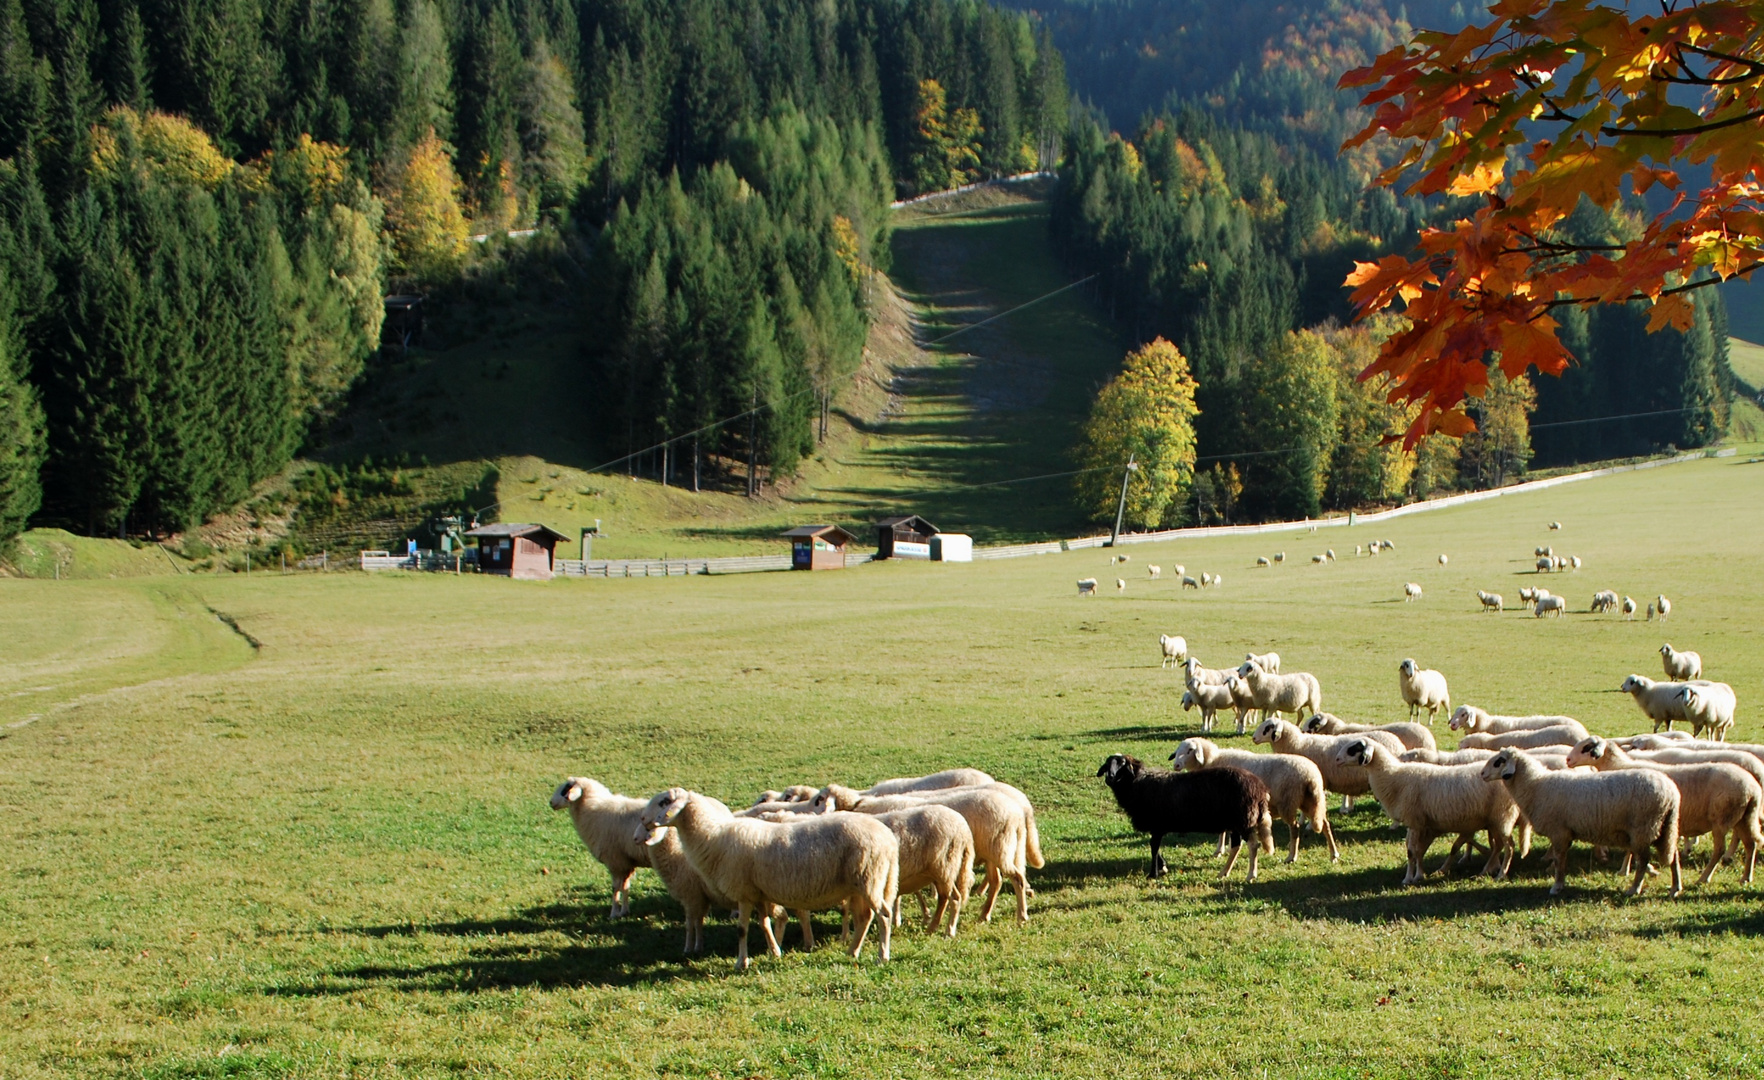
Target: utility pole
1121, 507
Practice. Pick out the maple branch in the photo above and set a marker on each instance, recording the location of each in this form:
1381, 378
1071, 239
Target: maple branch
1588, 301
1560, 247
1690, 78
1673, 133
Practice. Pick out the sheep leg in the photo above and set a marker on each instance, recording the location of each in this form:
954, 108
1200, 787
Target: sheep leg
1020, 885
621, 896
1236, 846
1224, 842
1419, 840
1158, 867
862, 917
1559, 859
1329, 835
808, 930
744, 913
1292, 837
1641, 871
994, 882
773, 947
1347, 803
695, 913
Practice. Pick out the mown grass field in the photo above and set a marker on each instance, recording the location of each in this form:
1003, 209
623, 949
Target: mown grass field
331, 855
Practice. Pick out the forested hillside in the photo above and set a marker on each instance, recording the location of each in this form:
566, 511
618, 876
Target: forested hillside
201, 205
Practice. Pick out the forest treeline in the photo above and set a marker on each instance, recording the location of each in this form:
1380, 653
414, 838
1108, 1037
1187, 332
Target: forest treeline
202, 203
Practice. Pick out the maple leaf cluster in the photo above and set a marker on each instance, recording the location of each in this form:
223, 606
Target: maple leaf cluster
1547, 103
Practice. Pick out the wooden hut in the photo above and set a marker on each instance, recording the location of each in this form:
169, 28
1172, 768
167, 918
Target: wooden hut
906, 537
817, 547
517, 550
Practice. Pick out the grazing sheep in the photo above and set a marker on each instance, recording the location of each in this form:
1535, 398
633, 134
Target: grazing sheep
1631, 810
1660, 701
1262, 560
780, 810
936, 852
607, 824
1210, 698
1554, 525
1285, 738
1270, 662
1542, 552
1470, 719
1443, 560
998, 815
1218, 580
791, 794
1087, 586
1194, 673
1412, 736
1551, 605
1120, 585
1279, 694
1657, 740
1388, 546
1422, 688
937, 781
1708, 706
1673, 753
1330, 554
1189, 583
1179, 569
1174, 648
1122, 558
1356, 551
1714, 798
1411, 591
1663, 606
1280, 556
1372, 548
1527, 597
1318, 559
1154, 571
1436, 800
1295, 787
1629, 609
1491, 601
1681, 666
1553, 757
820, 862
1223, 800
1545, 565
1524, 739
1573, 562
1603, 601
1242, 701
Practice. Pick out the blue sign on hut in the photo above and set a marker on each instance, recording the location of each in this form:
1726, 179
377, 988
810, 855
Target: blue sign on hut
516, 549
817, 547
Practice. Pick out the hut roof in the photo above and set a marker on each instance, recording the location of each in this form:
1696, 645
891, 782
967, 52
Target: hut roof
833, 534
517, 528
908, 523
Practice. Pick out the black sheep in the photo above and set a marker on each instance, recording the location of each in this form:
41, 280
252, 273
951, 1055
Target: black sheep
1213, 801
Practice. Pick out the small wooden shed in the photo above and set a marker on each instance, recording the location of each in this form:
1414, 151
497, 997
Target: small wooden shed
516, 549
817, 547
906, 537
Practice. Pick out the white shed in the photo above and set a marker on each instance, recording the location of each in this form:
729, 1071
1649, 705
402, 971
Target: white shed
952, 547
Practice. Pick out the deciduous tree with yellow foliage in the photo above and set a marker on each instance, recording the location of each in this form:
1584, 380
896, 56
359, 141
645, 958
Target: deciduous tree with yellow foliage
422, 208
1146, 412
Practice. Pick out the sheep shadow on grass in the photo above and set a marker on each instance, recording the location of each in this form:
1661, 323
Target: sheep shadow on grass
523, 949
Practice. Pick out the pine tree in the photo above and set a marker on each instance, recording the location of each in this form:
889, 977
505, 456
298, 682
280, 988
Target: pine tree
21, 422
423, 79
23, 83
556, 159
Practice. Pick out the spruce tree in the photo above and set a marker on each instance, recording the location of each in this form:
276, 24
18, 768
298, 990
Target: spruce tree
21, 422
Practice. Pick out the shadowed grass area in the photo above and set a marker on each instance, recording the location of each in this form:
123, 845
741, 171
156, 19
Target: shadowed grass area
332, 856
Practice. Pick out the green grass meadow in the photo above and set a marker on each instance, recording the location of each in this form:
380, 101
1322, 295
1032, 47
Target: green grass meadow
329, 854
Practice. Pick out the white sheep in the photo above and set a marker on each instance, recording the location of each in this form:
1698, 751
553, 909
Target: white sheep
1629, 609
1709, 706
1174, 648
1295, 787
1491, 601
1423, 688
1280, 556
1179, 569
937, 781
1551, 605
1262, 560
936, 852
1527, 597
1470, 720
1189, 583
1372, 548
1604, 601
1632, 811
1542, 552
1555, 525
1318, 559
1545, 565
1388, 546
1573, 562
1285, 738
1242, 701
1270, 662
1120, 585
1663, 606
1671, 753
1087, 586
1209, 698
1524, 739
1003, 839
1194, 673
1278, 694
823, 861
1411, 591
1413, 736
1436, 800
1330, 554
1218, 580
1154, 571
607, 824
1443, 560
1122, 558
793, 793
1681, 666
1661, 702
1714, 798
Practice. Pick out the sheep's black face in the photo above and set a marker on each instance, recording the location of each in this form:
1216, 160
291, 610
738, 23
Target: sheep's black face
1500, 767
1358, 752
1407, 667
1117, 768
